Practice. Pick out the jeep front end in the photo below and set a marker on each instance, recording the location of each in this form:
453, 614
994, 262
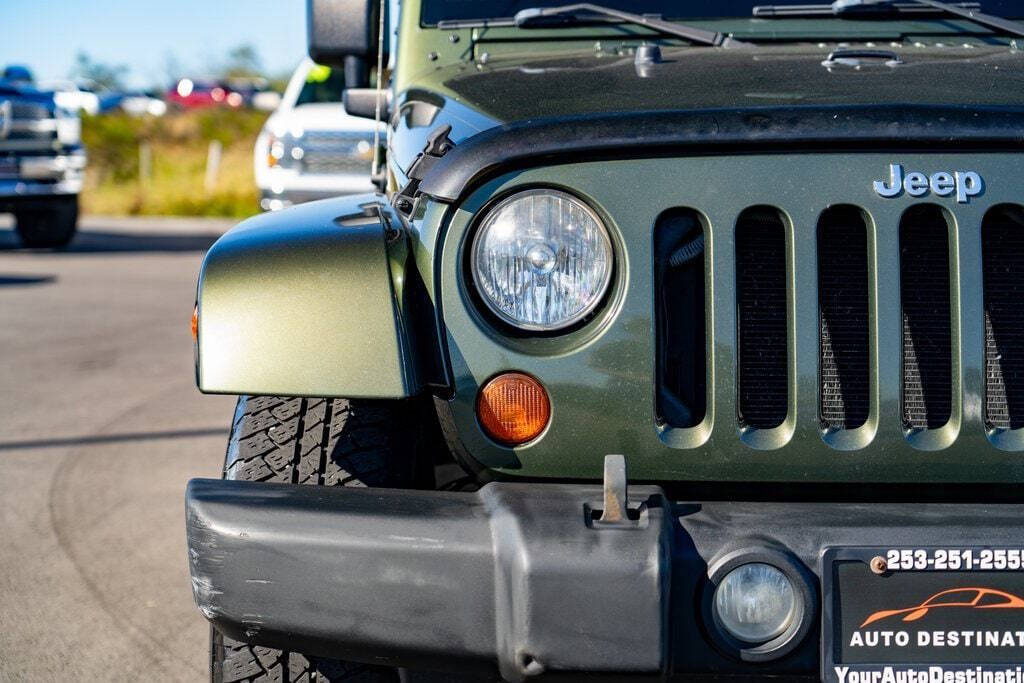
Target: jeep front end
775, 276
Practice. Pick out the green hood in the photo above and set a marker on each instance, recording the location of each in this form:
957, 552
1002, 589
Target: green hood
513, 89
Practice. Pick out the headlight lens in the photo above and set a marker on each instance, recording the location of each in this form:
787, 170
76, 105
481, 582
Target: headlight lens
542, 260
755, 602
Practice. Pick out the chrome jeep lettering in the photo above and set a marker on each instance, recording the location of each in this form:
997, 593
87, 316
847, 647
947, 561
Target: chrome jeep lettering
964, 184
895, 185
968, 184
942, 184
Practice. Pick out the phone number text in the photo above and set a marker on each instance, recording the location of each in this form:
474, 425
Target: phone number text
946, 559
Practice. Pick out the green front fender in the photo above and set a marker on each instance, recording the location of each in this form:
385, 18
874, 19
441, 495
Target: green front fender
308, 302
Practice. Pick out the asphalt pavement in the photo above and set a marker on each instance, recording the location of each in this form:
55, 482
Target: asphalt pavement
100, 427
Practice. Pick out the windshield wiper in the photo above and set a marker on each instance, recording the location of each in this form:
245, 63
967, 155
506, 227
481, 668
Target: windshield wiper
909, 7
988, 20
533, 16
853, 7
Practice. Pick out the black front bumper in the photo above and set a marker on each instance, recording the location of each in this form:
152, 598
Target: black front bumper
526, 578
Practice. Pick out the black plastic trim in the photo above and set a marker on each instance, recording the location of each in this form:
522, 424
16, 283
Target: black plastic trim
712, 131
436, 580
517, 577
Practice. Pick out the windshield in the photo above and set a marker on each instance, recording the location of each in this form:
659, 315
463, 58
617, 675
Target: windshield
323, 84
455, 10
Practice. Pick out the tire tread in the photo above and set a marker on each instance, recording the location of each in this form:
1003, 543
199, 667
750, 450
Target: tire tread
309, 441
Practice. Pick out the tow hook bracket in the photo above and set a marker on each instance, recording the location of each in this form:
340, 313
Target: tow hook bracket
617, 510
616, 490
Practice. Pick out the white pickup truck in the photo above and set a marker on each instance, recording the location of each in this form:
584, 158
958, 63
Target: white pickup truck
310, 148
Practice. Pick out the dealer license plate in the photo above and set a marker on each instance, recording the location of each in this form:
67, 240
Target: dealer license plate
932, 614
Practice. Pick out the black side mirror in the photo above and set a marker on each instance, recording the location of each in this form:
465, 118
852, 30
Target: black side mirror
340, 29
362, 102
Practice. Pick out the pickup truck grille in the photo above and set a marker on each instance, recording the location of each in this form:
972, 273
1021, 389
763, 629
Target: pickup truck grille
44, 135
30, 128
763, 267
328, 153
327, 165
28, 110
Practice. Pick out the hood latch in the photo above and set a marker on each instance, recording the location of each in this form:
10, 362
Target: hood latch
438, 144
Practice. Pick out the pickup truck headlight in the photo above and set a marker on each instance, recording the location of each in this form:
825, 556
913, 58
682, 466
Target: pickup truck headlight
541, 260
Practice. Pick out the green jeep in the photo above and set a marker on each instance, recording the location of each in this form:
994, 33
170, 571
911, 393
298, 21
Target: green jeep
769, 257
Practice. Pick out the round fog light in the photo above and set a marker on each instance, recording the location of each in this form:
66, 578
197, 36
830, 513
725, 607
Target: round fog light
755, 603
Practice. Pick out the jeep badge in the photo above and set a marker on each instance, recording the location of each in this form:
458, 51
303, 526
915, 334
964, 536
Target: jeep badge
966, 184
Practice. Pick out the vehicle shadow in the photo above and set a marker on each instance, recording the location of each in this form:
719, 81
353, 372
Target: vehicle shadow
20, 280
100, 241
101, 439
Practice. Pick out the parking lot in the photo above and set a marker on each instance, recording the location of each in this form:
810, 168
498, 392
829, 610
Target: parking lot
102, 427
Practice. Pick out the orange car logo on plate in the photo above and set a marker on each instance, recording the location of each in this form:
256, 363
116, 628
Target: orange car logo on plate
972, 598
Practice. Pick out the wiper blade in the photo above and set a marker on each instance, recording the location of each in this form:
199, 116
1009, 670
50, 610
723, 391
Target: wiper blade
988, 20
911, 7
967, 10
532, 16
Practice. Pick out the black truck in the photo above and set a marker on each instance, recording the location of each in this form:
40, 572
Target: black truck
41, 165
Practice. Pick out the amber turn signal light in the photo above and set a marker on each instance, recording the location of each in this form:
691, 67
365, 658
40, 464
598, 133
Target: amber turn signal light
195, 323
513, 408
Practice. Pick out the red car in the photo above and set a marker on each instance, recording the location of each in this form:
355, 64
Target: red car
195, 94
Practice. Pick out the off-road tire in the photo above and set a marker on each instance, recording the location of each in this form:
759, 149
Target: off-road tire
317, 442
50, 227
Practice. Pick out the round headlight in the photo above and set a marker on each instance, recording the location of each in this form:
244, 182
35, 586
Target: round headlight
755, 602
541, 260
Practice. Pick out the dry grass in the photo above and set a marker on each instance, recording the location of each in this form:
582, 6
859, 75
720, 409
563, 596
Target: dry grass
178, 146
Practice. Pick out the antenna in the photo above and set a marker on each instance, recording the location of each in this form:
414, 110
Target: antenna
380, 81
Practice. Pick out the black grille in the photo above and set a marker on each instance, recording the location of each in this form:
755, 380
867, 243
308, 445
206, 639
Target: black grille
680, 319
843, 318
1003, 262
41, 135
761, 318
924, 293
21, 109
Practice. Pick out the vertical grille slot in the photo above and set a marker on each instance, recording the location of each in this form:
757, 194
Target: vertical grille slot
924, 295
1002, 237
844, 344
680, 318
761, 320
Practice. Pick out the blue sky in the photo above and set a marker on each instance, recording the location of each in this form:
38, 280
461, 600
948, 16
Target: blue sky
46, 35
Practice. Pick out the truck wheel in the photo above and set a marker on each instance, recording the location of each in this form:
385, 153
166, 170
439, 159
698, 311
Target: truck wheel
51, 227
318, 442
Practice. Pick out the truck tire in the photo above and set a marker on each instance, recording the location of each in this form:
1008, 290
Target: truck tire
49, 227
316, 442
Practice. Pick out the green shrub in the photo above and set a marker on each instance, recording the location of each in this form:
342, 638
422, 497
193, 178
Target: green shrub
178, 146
